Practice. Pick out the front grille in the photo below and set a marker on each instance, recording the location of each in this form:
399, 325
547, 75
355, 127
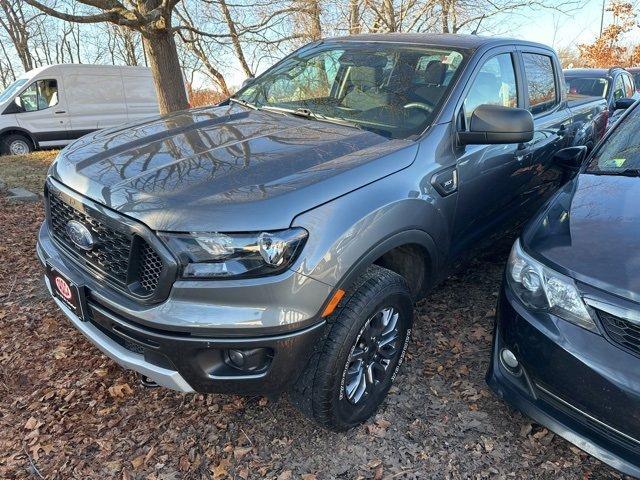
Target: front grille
111, 252
621, 331
126, 260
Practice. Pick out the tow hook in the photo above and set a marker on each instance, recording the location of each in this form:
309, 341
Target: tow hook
147, 382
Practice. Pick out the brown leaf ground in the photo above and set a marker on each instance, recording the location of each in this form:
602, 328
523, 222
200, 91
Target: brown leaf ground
66, 411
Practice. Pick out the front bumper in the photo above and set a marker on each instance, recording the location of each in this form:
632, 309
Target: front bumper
574, 382
177, 344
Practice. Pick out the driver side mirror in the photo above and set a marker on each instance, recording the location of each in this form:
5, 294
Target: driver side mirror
624, 103
571, 158
495, 124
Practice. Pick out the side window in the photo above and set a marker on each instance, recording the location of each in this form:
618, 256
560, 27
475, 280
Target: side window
495, 84
618, 88
541, 82
629, 88
39, 95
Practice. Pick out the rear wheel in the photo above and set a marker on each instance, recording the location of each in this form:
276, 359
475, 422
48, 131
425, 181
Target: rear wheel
349, 376
16, 144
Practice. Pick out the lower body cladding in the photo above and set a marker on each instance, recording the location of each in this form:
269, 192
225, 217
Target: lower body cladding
186, 361
574, 382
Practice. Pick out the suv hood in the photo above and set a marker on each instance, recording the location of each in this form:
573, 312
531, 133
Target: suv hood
226, 168
591, 230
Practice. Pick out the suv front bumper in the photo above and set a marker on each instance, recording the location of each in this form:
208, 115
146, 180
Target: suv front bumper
191, 354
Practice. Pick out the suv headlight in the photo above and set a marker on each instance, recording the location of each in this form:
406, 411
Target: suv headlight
542, 288
233, 255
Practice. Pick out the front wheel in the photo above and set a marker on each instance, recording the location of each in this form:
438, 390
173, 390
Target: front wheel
15, 144
352, 372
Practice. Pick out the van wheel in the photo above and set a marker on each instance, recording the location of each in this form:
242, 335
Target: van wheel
16, 144
351, 372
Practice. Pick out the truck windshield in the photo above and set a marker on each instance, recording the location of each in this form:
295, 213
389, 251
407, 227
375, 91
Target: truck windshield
588, 87
392, 89
620, 153
11, 90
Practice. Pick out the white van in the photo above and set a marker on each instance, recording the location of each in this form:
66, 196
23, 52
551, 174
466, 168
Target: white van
53, 105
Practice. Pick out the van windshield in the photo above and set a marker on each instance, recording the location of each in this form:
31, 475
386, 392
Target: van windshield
11, 90
392, 89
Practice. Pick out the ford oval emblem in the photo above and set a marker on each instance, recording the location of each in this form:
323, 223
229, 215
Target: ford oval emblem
80, 235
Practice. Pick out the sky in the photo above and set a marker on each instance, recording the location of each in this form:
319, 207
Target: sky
559, 30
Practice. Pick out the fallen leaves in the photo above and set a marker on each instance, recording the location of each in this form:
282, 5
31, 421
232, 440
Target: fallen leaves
120, 391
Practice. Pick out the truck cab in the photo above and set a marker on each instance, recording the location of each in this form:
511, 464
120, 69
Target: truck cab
277, 242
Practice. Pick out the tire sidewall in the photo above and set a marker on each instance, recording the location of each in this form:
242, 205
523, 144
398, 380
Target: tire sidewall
10, 139
346, 413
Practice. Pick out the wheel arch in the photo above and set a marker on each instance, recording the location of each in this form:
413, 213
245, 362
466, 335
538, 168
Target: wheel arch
396, 253
4, 132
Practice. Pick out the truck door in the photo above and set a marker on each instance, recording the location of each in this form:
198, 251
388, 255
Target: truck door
491, 178
546, 100
41, 110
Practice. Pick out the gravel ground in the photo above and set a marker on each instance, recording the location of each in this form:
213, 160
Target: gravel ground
66, 411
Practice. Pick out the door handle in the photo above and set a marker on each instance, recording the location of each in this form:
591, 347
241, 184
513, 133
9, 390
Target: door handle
58, 112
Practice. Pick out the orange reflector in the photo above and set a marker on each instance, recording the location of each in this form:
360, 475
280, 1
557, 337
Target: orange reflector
333, 303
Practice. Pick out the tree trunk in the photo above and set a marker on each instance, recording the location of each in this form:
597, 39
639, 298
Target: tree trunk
354, 17
164, 63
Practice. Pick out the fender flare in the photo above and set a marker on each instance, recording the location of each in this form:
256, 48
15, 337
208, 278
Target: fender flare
5, 130
415, 237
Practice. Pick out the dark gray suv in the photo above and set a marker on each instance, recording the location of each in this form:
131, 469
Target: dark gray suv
277, 242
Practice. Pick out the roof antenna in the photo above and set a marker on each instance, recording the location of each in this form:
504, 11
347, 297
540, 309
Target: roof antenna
475, 32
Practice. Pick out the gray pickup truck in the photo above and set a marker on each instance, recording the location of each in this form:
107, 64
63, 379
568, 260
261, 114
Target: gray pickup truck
277, 242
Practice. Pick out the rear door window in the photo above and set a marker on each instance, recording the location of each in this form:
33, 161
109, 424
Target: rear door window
541, 82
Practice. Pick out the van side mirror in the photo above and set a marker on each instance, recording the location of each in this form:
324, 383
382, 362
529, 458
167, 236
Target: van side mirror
248, 81
495, 124
624, 103
571, 158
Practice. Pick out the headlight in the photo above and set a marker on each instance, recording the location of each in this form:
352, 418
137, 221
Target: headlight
542, 288
221, 255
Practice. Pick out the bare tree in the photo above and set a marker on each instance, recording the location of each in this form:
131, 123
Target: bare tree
16, 24
153, 20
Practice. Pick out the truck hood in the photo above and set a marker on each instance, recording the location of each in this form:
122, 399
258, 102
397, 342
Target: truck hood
226, 168
591, 230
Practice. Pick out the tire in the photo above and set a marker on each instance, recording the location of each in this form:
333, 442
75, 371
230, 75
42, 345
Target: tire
335, 388
16, 144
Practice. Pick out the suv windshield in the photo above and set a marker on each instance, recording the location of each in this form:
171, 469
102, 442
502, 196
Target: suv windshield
620, 153
391, 89
589, 87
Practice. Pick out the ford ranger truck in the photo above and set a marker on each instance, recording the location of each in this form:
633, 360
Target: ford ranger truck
278, 241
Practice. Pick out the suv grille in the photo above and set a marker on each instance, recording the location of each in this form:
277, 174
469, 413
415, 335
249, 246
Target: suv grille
114, 252
621, 331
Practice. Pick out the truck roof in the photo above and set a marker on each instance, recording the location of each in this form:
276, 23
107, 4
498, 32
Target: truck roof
466, 42
590, 72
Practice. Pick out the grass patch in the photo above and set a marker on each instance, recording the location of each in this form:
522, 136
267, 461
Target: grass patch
28, 171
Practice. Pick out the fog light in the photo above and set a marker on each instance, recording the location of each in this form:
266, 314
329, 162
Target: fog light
509, 359
248, 360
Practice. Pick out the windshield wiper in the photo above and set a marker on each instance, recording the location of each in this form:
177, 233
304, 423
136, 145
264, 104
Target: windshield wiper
306, 113
627, 172
244, 103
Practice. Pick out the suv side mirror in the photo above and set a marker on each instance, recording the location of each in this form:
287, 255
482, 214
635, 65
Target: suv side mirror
571, 158
495, 124
624, 103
